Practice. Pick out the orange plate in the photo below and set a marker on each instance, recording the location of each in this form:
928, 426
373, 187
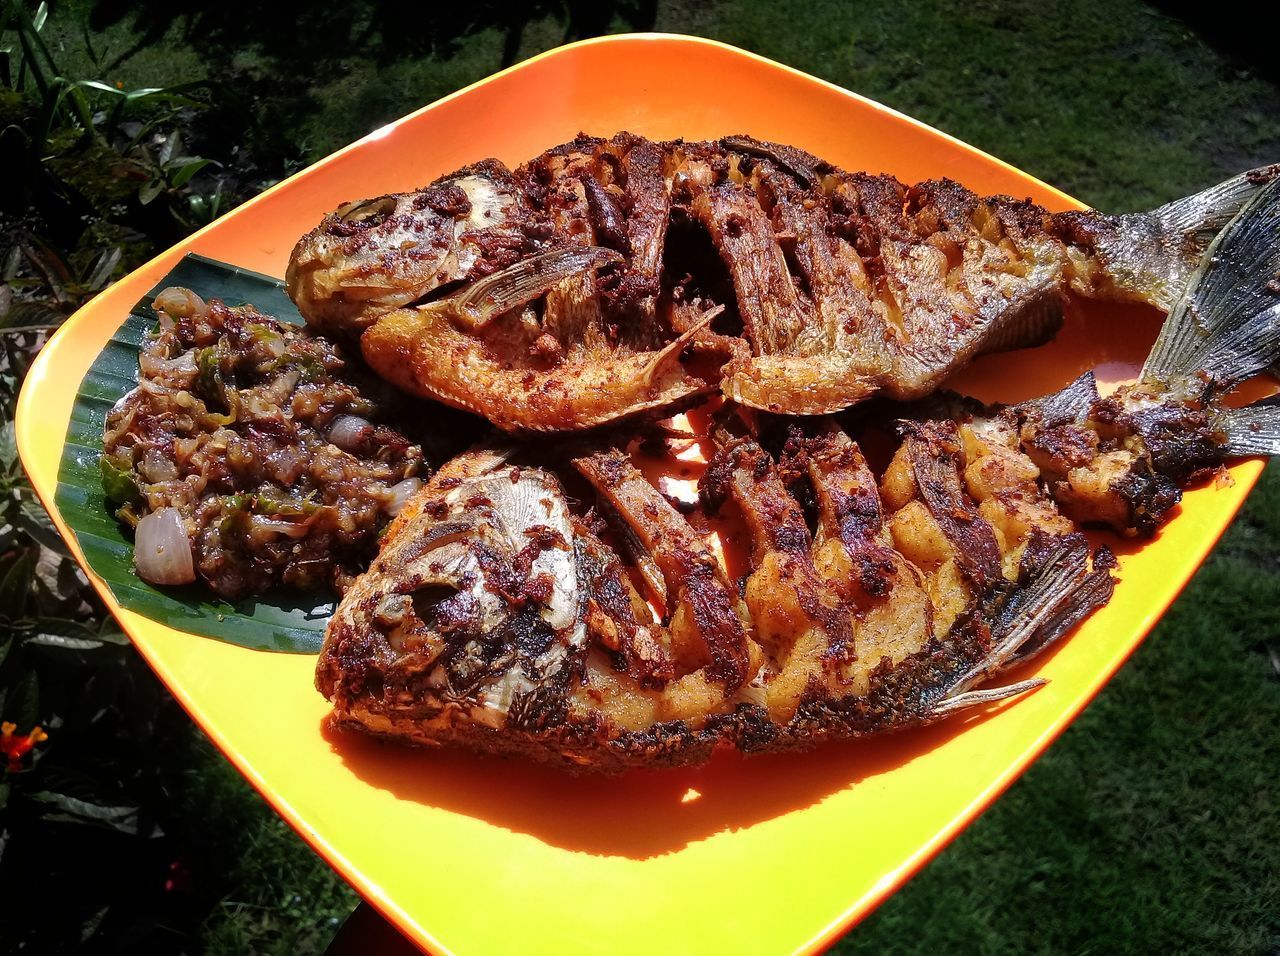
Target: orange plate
763, 855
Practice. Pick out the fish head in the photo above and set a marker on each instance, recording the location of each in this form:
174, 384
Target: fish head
369, 257
473, 602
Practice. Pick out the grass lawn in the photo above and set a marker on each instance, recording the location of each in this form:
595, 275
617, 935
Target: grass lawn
1152, 824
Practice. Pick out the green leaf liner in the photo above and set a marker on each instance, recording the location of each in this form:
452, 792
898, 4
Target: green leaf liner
286, 621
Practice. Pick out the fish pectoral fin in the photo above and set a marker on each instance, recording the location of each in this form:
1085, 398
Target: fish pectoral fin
796, 384
672, 350
1062, 587
483, 301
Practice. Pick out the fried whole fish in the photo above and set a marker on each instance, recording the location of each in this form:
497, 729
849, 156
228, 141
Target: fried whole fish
611, 278
499, 618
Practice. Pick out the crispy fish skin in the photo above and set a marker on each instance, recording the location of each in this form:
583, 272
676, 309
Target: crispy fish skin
959, 563
955, 566
591, 351
425, 353
835, 286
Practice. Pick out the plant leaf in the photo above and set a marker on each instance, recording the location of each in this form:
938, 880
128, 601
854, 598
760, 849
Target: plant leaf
89, 928
22, 706
8, 445
110, 633
150, 190
74, 810
64, 627
64, 635
65, 643
187, 170
168, 146
81, 106
102, 269
175, 95
100, 87
26, 314
51, 267
35, 521
15, 585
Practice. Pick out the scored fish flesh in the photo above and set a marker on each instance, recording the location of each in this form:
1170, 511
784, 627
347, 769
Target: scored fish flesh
619, 277
501, 618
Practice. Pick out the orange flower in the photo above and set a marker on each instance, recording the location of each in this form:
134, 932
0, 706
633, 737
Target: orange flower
15, 746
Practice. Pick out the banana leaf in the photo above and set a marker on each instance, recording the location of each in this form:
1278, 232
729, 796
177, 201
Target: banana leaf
289, 622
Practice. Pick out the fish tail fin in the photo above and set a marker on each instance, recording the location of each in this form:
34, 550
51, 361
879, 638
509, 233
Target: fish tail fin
1225, 326
1153, 255
1250, 431
1204, 214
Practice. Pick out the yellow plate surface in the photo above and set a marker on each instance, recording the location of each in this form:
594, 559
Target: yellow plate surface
762, 855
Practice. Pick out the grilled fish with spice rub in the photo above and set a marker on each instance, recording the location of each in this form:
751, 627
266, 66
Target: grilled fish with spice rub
500, 617
621, 277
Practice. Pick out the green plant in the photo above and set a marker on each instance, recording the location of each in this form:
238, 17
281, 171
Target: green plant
103, 167
168, 169
90, 743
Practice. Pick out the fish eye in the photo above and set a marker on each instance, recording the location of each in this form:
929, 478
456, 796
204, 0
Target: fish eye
367, 212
